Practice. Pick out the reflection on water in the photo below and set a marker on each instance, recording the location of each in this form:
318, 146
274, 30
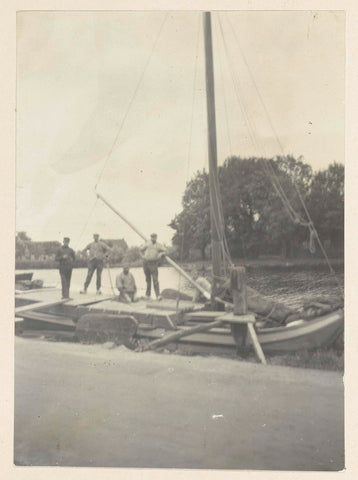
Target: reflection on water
291, 287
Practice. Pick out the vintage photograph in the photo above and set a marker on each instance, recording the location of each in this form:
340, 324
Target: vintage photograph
179, 270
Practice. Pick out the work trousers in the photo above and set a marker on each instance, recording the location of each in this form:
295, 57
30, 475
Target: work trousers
65, 273
151, 272
123, 293
94, 264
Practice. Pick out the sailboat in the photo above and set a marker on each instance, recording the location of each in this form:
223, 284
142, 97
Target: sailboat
173, 322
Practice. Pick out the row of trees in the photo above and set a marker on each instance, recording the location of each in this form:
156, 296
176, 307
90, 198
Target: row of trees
257, 195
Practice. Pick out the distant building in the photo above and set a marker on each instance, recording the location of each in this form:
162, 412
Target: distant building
117, 243
26, 249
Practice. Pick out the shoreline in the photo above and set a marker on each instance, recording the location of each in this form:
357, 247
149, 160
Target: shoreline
266, 263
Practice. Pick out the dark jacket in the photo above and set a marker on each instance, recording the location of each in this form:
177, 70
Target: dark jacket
65, 256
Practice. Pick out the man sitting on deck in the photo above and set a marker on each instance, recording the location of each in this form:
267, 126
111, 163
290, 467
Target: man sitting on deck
126, 285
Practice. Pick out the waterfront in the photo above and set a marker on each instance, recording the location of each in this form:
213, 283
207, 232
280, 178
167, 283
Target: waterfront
292, 286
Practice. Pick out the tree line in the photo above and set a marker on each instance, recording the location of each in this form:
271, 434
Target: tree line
259, 196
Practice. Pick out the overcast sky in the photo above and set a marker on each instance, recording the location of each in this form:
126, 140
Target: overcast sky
118, 99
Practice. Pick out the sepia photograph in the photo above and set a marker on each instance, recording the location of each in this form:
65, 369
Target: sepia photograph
179, 252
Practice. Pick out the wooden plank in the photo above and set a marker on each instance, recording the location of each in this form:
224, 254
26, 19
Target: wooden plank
258, 350
36, 290
48, 318
43, 295
36, 306
159, 318
182, 333
238, 290
239, 319
202, 338
202, 315
87, 300
183, 305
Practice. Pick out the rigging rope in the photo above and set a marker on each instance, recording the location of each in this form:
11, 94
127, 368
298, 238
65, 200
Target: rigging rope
225, 105
250, 125
120, 129
86, 222
189, 148
268, 167
82, 232
295, 214
225, 248
131, 100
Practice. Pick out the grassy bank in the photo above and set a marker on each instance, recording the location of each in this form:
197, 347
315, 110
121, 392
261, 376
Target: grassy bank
330, 360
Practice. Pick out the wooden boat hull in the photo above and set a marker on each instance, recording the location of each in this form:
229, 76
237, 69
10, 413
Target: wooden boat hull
155, 322
309, 335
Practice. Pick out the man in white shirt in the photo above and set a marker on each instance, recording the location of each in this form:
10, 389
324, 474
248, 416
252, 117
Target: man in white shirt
98, 250
126, 285
152, 253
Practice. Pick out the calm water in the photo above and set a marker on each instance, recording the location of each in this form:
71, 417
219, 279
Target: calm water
291, 287
168, 278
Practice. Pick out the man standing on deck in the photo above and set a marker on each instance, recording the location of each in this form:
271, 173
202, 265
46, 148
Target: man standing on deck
65, 256
97, 251
152, 253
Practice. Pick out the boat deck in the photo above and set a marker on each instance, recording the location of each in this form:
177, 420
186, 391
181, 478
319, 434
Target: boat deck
46, 310
166, 313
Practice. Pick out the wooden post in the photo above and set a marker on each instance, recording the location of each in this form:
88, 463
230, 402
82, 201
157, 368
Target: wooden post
239, 294
238, 288
256, 344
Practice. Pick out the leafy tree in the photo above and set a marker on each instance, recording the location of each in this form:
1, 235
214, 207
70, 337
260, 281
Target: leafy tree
244, 189
263, 206
255, 215
21, 243
23, 237
192, 225
326, 203
284, 213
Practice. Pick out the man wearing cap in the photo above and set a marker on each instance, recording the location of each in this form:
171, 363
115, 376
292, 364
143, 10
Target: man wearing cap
98, 250
126, 285
66, 257
152, 253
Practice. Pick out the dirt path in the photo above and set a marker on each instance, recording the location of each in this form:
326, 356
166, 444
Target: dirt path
79, 405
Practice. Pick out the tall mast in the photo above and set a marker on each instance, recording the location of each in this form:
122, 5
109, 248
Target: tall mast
215, 201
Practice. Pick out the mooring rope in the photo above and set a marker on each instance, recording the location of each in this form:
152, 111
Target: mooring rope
189, 150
